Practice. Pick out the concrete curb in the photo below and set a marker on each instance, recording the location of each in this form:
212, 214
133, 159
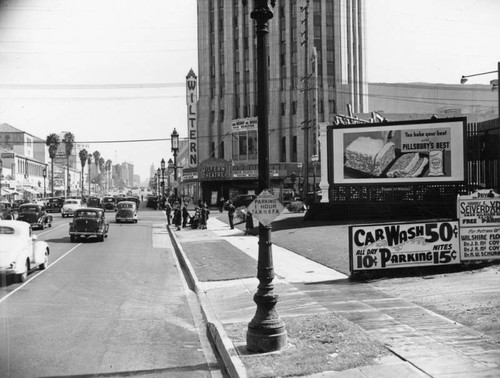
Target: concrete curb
215, 330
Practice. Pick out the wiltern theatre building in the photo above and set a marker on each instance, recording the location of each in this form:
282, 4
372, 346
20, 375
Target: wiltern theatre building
316, 69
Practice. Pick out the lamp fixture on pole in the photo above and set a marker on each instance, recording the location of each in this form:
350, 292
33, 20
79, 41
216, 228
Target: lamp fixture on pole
44, 173
175, 148
266, 331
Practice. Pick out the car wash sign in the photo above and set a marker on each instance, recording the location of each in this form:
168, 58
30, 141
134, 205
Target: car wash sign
403, 245
265, 207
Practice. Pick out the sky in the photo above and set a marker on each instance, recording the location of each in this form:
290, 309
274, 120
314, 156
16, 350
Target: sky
113, 71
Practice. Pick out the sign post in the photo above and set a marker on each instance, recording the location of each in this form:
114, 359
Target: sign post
265, 207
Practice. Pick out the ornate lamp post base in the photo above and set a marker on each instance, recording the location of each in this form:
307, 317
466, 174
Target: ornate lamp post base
266, 332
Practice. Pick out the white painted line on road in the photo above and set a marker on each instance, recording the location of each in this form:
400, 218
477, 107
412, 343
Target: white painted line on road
51, 229
41, 272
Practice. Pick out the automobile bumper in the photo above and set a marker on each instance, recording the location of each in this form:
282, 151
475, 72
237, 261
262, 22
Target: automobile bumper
86, 233
125, 219
9, 270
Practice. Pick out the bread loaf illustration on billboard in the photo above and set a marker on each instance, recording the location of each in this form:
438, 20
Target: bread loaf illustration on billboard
369, 155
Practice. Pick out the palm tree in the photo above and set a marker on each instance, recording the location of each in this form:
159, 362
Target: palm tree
52, 141
69, 142
96, 155
101, 168
89, 161
83, 154
108, 170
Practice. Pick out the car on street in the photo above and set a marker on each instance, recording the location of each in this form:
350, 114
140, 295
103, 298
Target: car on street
54, 204
126, 212
6, 210
70, 206
88, 222
20, 251
109, 203
34, 214
243, 200
93, 202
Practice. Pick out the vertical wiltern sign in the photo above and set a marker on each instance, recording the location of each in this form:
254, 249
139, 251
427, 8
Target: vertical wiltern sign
191, 102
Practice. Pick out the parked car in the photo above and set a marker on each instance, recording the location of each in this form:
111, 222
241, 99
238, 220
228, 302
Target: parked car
6, 210
109, 203
88, 222
243, 200
126, 212
20, 251
34, 214
54, 204
17, 203
70, 206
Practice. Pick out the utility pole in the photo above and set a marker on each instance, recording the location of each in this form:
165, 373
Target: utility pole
305, 80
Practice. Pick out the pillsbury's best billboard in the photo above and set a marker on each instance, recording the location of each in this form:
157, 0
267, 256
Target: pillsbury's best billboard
399, 152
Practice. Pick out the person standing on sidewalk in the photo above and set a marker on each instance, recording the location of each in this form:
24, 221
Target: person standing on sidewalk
177, 217
248, 223
168, 212
230, 213
185, 216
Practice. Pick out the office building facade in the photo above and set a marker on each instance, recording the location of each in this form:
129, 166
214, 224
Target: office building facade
316, 70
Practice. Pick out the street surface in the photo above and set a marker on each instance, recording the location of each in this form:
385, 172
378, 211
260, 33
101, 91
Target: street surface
115, 307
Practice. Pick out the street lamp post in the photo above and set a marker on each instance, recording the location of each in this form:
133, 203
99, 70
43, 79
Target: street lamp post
89, 161
266, 331
299, 168
175, 148
162, 164
170, 168
158, 195
314, 160
44, 173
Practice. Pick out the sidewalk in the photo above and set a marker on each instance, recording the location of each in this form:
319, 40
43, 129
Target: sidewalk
423, 343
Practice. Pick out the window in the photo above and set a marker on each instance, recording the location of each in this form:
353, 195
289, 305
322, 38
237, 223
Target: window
283, 149
294, 148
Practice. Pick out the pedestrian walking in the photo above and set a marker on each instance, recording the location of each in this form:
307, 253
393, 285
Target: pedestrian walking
185, 216
177, 218
221, 204
203, 216
248, 223
230, 213
168, 212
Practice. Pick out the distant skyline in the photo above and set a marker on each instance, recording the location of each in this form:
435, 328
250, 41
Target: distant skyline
114, 70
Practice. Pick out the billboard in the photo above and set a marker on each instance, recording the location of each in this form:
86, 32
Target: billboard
403, 245
399, 152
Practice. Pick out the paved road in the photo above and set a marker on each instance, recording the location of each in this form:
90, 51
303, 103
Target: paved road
113, 307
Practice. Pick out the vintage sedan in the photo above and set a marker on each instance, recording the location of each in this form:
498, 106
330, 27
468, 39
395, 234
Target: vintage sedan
34, 214
20, 251
54, 204
109, 203
126, 212
70, 206
89, 222
6, 211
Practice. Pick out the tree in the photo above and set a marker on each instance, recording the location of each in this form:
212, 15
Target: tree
108, 170
83, 154
69, 142
96, 155
89, 161
52, 141
101, 169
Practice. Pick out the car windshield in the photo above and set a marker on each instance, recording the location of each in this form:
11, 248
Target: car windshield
126, 206
87, 214
29, 209
71, 202
109, 199
6, 230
